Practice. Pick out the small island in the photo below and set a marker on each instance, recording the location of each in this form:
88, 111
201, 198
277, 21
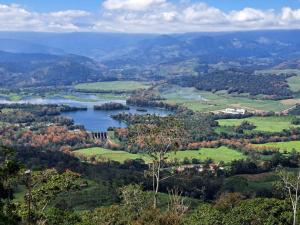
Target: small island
141, 110
111, 106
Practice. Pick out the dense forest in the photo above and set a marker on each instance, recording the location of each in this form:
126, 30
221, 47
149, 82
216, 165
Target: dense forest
275, 87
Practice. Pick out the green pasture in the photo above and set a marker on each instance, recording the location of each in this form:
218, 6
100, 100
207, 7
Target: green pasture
288, 146
266, 124
216, 154
205, 101
106, 154
113, 86
294, 83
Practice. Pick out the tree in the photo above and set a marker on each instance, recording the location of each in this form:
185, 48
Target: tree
290, 183
44, 187
134, 199
156, 140
9, 169
227, 201
205, 214
259, 211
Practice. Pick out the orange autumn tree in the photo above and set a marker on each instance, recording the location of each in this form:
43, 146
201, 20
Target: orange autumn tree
156, 139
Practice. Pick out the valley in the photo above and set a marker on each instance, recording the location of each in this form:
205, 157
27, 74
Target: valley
149, 125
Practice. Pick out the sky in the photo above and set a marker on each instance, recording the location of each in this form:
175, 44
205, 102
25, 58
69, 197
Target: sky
148, 16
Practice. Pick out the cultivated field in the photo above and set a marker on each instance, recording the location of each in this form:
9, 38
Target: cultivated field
267, 124
113, 86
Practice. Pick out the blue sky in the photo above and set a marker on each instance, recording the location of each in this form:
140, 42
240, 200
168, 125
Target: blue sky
93, 5
148, 16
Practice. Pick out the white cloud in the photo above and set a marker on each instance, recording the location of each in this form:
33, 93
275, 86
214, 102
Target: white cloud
201, 13
136, 5
69, 14
169, 16
249, 14
15, 17
159, 16
290, 15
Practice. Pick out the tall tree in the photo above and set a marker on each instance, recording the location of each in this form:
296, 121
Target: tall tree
290, 183
9, 170
45, 186
157, 139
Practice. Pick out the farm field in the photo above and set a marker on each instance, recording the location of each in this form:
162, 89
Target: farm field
266, 124
216, 154
284, 146
113, 86
205, 101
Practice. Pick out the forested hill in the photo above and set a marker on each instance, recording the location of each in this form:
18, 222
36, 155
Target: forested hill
273, 86
154, 48
25, 70
47, 59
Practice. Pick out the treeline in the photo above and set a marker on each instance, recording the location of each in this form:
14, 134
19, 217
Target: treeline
148, 98
197, 126
235, 81
295, 111
111, 106
41, 128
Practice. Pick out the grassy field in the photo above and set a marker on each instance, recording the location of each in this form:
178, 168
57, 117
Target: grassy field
284, 146
216, 154
260, 181
107, 154
267, 124
207, 101
113, 86
294, 83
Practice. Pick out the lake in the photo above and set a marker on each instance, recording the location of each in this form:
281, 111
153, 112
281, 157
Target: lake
92, 120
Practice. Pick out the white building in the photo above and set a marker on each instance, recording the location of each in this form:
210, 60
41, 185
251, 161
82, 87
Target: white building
234, 111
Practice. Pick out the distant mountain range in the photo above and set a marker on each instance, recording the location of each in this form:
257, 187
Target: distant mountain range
54, 58
154, 48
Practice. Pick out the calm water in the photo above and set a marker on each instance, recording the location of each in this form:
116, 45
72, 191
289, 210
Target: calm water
92, 120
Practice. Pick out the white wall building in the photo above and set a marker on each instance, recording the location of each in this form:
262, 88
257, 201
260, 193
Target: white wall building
234, 111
